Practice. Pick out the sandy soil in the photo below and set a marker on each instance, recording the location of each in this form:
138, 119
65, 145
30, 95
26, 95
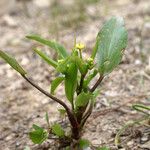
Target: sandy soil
21, 105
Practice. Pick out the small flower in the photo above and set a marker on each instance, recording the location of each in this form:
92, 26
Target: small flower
80, 46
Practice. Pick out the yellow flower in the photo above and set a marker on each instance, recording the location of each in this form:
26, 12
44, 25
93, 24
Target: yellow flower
80, 46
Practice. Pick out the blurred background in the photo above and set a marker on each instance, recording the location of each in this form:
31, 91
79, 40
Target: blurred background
20, 104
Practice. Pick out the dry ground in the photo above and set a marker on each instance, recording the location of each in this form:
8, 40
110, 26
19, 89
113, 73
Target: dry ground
21, 105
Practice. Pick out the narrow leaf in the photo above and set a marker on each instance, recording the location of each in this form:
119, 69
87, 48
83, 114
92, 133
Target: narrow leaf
52, 44
57, 130
12, 62
71, 81
55, 84
110, 44
46, 58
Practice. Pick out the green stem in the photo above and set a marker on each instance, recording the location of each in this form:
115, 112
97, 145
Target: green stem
81, 84
139, 108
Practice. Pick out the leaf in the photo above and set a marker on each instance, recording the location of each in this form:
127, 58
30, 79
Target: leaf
103, 148
62, 66
12, 62
46, 58
62, 111
81, 65
71, 81
55, 84
39, 135
52, 44
47, 119
83, 144
82, 99
57, 130
89, 78
110, 44
36, 127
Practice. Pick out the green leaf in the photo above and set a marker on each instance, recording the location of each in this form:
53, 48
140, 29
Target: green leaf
83, 143
71, 81
52, 44
103, 148
62, 65
36, 127
58, 130
89, 78
12, 62
47, 119
81, 65
46, 58
62, 111
39, 135
55, 84
110, 44
82, 99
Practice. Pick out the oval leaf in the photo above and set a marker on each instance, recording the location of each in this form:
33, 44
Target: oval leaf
52, 44
83, 143
55, 84
39, 135
12, 62
82, 99
110, 44
58, 130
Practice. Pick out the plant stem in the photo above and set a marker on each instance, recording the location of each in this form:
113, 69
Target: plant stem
81, 84
97, 83
87, 114
71, 116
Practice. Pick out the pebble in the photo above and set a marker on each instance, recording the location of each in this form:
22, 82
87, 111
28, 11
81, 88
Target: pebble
25, 61
146, 145
41, 3
130, 143
145, 138
8, 20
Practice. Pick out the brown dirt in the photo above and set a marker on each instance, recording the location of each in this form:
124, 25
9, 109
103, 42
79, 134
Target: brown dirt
21, 105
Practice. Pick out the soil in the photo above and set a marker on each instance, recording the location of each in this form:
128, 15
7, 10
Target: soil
21, 105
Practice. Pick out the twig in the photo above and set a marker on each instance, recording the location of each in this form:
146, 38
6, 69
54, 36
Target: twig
71, 117
81, 84
97, 83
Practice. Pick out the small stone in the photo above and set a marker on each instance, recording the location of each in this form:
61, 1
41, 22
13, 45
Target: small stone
25, 61
146, 145
144, 139
137, 62
10, 21
42, 3
130, 143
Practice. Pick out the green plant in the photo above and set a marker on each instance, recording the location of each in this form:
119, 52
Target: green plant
77, 73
